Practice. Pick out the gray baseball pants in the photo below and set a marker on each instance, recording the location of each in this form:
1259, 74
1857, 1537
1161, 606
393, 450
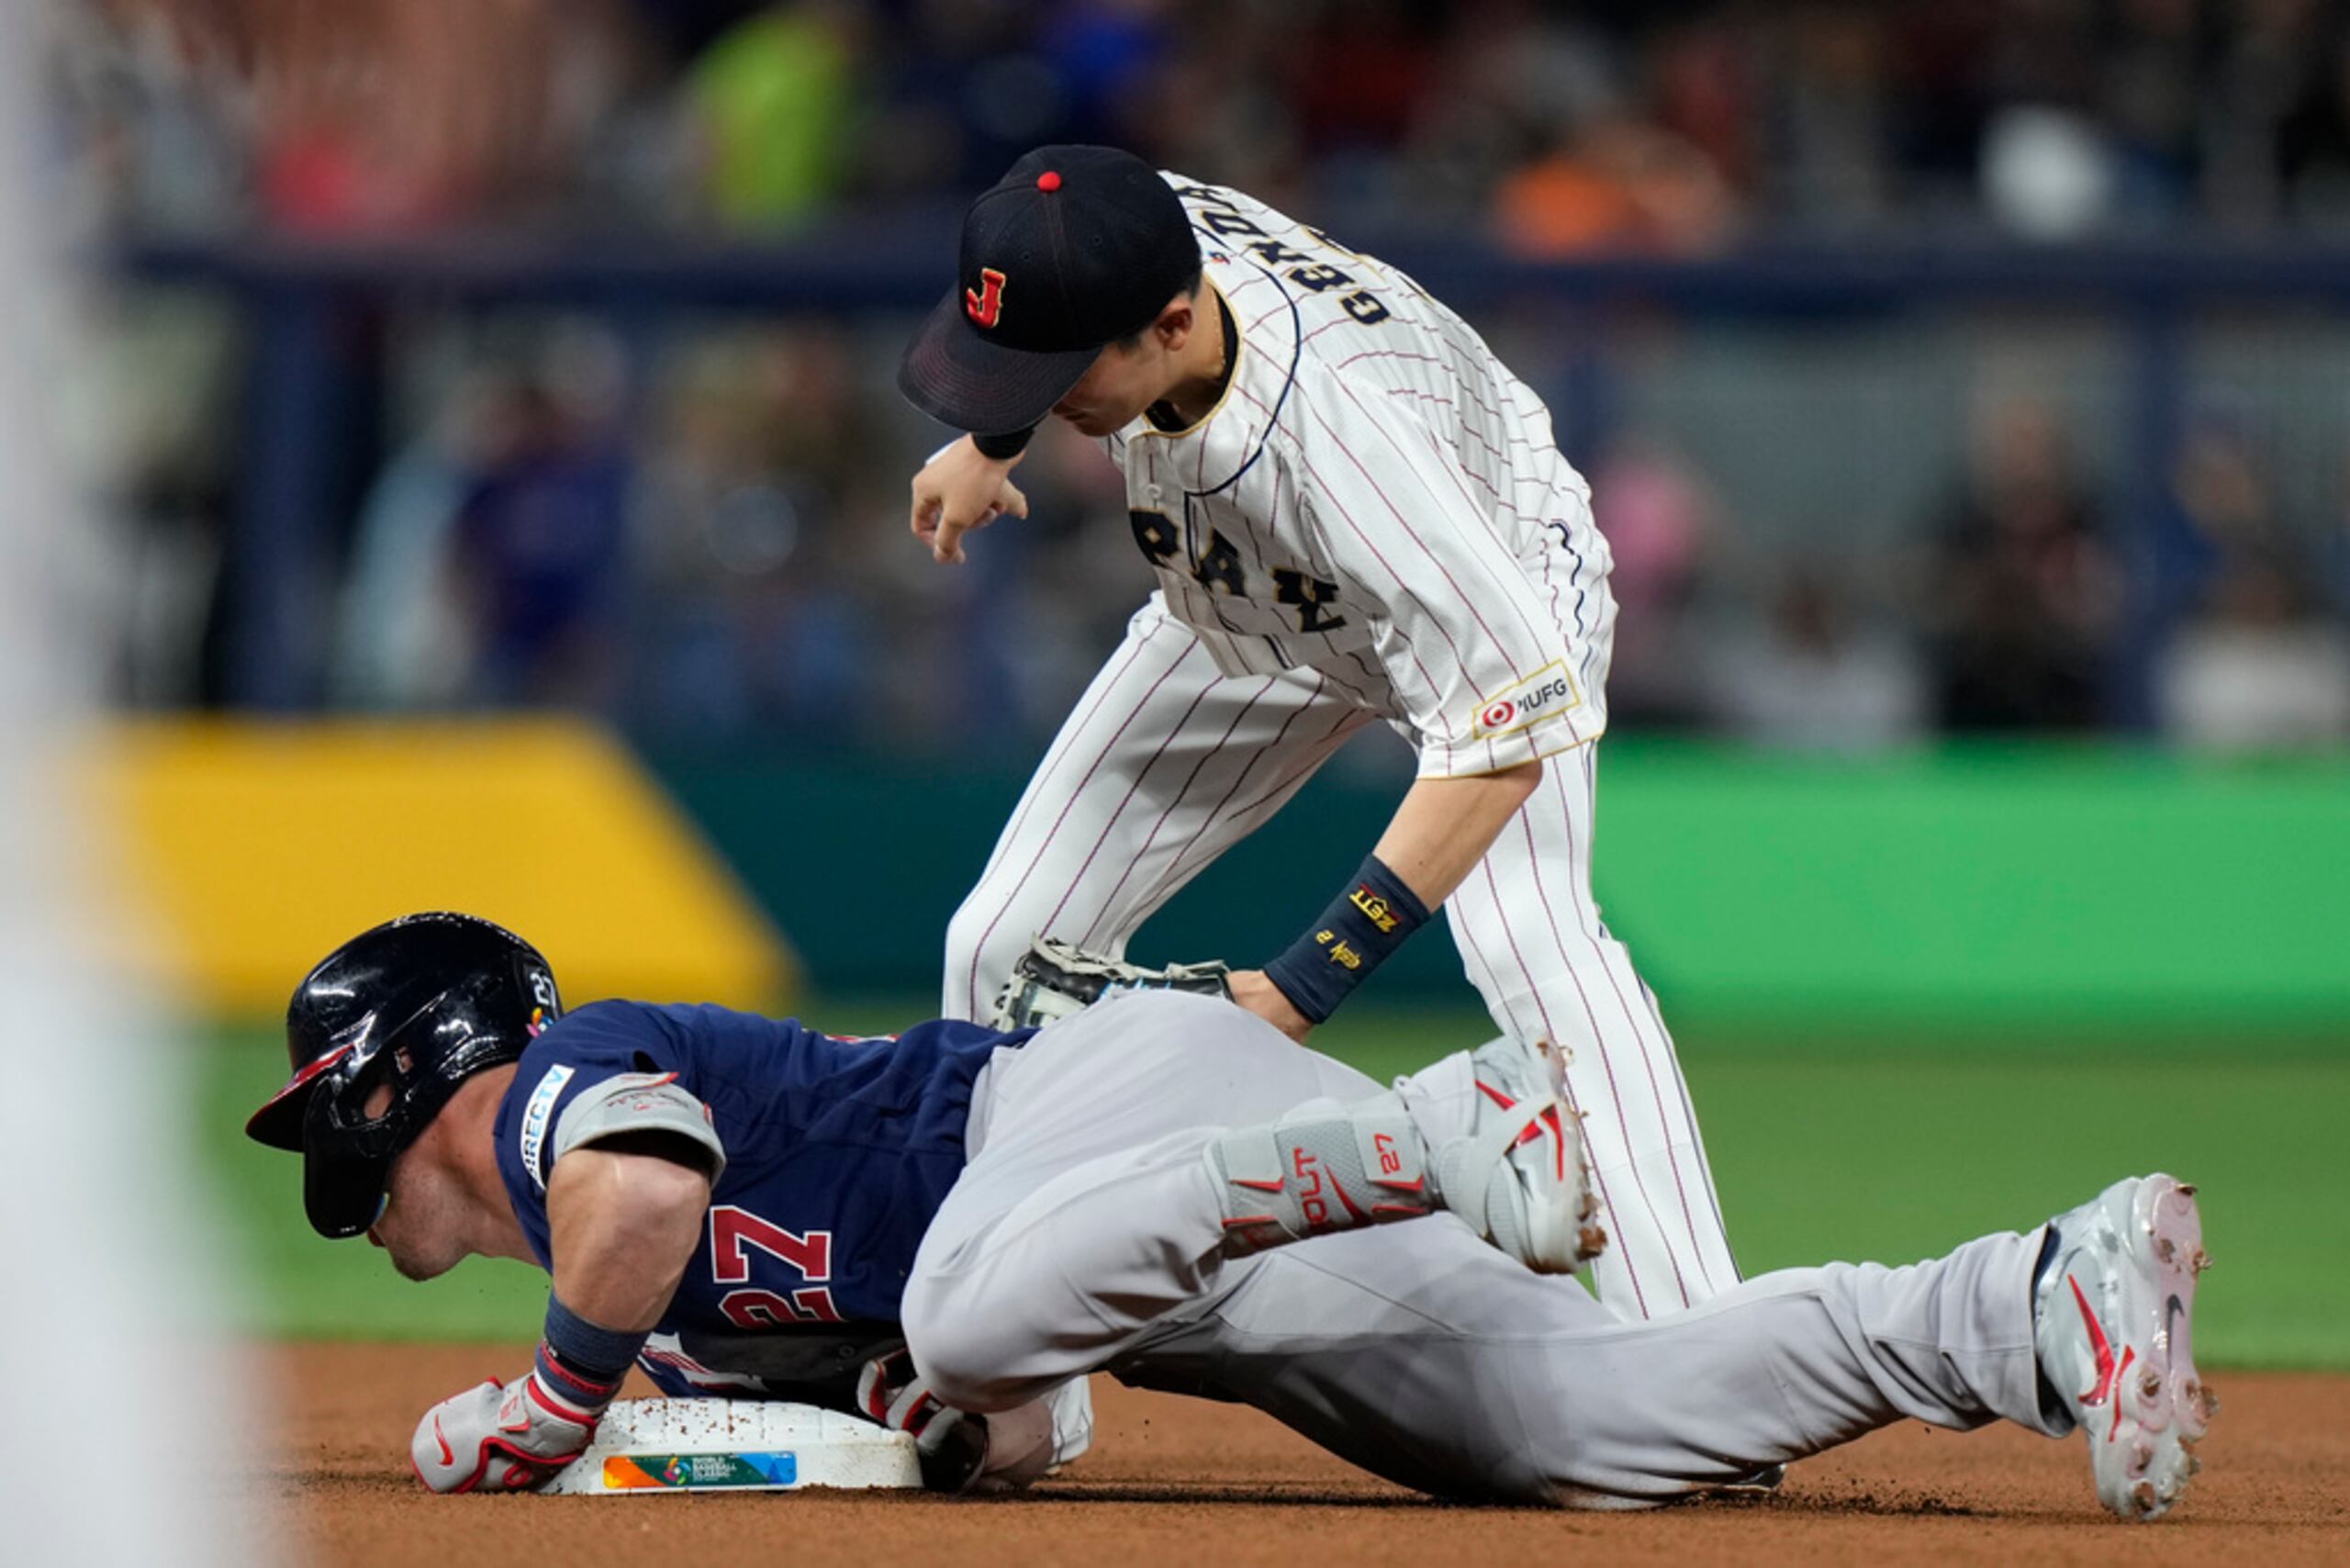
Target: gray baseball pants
1084, 1235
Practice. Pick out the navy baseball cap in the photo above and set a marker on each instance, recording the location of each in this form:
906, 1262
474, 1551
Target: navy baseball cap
1075, 248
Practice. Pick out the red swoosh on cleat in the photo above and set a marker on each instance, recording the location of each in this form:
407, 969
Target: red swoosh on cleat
447, 1455
2106, 1370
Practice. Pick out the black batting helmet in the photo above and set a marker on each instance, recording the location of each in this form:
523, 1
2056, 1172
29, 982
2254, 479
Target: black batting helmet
420, 1004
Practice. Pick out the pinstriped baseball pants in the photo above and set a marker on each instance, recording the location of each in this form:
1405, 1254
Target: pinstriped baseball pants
1164, 764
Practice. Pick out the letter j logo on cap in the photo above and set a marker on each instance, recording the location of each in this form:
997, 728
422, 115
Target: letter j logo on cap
985, 303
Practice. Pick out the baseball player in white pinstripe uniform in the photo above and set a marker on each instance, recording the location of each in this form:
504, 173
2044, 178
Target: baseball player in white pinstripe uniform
1355, 513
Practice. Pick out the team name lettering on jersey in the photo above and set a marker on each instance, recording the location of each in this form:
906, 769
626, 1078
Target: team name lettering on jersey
1219, 566
1309, 594
1154, 532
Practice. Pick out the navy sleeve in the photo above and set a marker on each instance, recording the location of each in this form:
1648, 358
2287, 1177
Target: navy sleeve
578, 1052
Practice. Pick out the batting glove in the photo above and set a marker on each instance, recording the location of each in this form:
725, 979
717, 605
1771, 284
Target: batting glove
504, 1439
951, 1444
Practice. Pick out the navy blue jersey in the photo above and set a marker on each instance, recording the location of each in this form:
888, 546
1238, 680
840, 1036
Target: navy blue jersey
838, 1153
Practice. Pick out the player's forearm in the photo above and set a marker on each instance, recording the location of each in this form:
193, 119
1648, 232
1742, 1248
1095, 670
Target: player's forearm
1436, 839
621, 1225
623, 1228
1445, 826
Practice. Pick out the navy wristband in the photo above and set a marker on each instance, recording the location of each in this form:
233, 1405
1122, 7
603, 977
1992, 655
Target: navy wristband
1010, 443
1355, 935
584, 1361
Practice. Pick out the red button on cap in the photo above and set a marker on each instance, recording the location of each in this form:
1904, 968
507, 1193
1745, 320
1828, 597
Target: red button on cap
1049, 181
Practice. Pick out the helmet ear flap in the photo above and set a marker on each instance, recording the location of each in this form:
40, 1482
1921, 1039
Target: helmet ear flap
346, 1163
347, 1154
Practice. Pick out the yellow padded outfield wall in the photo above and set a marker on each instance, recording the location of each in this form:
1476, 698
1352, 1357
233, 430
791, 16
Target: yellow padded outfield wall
258, 846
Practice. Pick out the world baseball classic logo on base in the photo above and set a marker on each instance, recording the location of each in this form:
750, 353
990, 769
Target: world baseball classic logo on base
690, 1472
645, 1447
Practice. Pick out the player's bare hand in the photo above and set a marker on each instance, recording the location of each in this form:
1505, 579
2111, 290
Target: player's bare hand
958, 490
1267, 1000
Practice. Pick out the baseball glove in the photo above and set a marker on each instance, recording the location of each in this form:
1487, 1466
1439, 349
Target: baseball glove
1059, 980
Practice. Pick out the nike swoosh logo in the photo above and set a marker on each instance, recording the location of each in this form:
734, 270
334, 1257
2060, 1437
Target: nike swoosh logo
1546, 1120
448, 1454
2172, 1312
2099, 1343
2109, 1375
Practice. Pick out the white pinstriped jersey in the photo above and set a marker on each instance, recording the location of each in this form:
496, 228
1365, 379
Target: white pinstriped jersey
1378, 499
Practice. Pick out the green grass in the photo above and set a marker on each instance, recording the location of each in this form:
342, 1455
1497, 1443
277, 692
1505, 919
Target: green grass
1822, 1150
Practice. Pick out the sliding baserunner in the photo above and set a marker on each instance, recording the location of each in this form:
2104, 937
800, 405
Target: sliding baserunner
947, 1227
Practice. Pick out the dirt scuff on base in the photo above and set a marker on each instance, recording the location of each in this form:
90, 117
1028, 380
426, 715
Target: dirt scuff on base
1173, 1480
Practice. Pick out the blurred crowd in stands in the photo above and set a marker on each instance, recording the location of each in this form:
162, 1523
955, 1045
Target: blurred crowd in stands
1677, 125
706, 539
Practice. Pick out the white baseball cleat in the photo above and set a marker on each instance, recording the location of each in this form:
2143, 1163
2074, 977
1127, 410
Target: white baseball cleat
1519, 1176
1485, 1134
2112, 1322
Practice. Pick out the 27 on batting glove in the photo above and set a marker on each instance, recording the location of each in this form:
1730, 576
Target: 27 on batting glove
951, 1444
501, 1440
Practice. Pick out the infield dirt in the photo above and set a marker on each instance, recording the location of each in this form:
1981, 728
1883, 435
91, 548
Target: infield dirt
1180, 1480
